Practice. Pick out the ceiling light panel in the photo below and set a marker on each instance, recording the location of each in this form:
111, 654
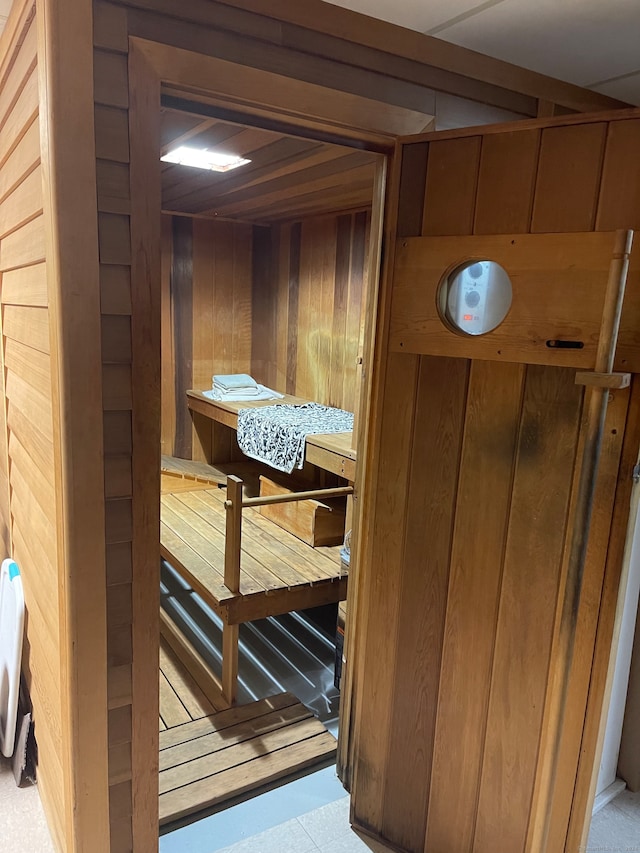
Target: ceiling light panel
202, 158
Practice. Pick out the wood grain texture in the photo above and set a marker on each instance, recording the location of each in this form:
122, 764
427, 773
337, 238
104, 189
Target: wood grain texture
550, 421
144, 101
344, 33
568, 178
382, 598
592, 596
28, 500
492, 420
206, 311
546, 270
439, 421
506, 182
71, 241
211, 760
501, 771
298, 329
452, 177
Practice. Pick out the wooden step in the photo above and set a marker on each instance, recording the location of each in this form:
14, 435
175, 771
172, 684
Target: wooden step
239, 751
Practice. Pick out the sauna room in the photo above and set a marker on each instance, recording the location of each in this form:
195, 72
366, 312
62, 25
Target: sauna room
265, 279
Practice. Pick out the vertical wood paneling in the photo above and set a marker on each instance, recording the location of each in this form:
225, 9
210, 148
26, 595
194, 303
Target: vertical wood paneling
452, 178
285, 304
483, 497
506, 180
183, 322
263, 310
321, 275
292, 277
356, 314
568, 181
337, 342
619, 201
379, 647
473, 785
438, 429
413, 175
533, 555
206, 320
572, 730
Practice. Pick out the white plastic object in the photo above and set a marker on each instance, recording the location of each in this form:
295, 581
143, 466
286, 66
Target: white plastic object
11, 630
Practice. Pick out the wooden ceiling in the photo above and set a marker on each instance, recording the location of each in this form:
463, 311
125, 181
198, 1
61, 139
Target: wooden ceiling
288, 176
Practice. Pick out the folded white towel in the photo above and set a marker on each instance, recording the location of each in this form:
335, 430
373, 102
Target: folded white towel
234, 381
264, 393
248, 391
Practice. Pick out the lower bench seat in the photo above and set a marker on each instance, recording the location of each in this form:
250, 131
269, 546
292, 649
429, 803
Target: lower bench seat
278, 572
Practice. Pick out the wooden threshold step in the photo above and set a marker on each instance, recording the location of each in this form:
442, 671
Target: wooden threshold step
224, 756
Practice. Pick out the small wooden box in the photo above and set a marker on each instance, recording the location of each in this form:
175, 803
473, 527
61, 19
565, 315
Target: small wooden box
315, 522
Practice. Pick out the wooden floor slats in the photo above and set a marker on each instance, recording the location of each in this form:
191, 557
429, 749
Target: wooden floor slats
279, 573
181, 700
207, 759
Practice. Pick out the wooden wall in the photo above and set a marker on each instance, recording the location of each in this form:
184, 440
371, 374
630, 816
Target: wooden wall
206, 315
28, 504
110, 415
311, 347
284, 303
463, 534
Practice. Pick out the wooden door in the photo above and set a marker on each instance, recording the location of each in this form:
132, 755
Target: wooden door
493, 467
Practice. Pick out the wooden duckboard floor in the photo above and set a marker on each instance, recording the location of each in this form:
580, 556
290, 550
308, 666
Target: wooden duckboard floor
208, 759
279, 572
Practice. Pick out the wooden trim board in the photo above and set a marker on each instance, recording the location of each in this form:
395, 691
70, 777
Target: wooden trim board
69, 181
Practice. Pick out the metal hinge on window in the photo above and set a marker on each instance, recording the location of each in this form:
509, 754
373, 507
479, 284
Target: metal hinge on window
636, 473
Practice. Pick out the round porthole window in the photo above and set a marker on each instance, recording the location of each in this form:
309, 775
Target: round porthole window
475, 297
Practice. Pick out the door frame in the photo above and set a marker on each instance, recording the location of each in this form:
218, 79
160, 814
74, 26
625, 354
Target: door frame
151, 67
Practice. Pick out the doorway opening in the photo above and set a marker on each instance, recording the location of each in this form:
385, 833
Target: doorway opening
268, 271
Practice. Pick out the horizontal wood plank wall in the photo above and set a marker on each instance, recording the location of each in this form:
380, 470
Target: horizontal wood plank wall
206, 316
451, 738
111, 96
26, 443
311, 345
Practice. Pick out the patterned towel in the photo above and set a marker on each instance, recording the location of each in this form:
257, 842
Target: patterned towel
276, 434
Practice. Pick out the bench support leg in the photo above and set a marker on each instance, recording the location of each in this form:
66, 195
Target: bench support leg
230, 636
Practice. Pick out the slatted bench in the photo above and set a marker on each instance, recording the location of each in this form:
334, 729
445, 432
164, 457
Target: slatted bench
241, 564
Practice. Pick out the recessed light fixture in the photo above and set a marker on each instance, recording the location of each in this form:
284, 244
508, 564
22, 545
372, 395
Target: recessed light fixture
202, 158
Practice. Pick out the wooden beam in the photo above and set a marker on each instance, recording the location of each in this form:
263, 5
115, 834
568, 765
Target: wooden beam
348, 37
258, 92
70, 204
144, 124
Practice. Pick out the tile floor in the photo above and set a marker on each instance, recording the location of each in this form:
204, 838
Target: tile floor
324, 830
615, 829
22, 823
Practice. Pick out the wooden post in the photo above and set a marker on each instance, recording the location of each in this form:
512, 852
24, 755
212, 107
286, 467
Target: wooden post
230, 637
232, 541
232, 546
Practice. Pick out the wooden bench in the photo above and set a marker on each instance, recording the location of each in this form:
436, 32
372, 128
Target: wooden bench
241, 564
332, 452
